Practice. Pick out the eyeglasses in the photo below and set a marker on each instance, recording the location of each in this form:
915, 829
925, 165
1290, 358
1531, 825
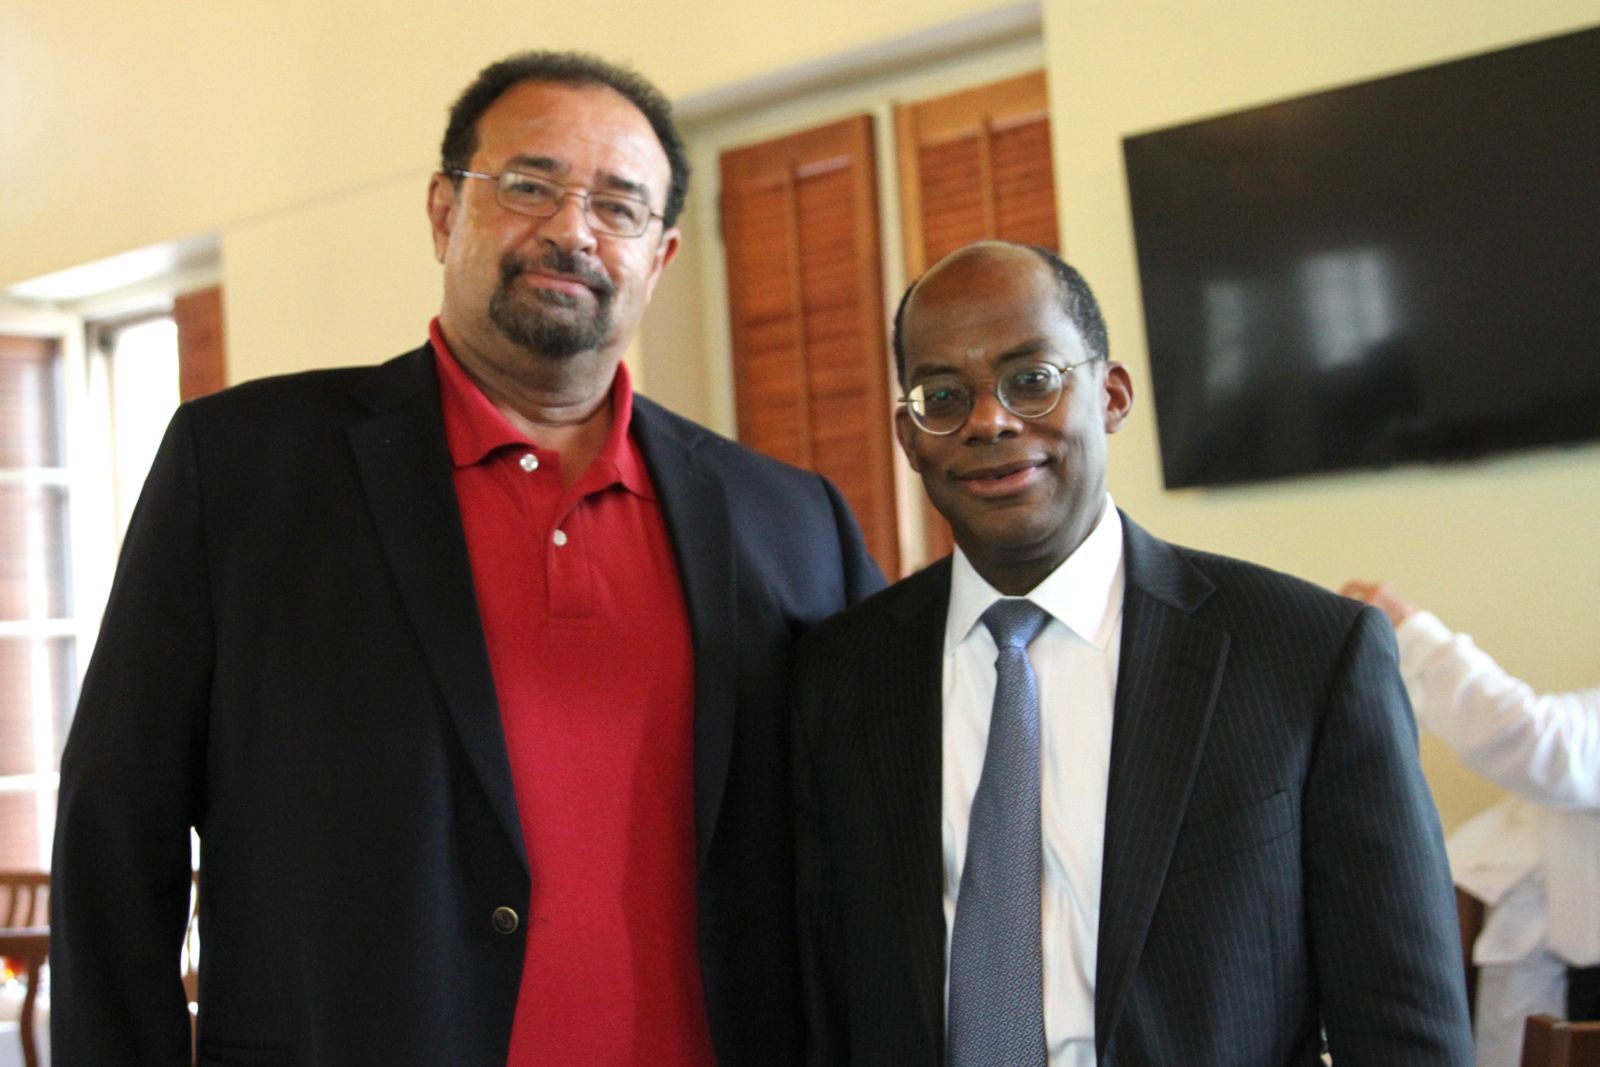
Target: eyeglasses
941, 404
541, 198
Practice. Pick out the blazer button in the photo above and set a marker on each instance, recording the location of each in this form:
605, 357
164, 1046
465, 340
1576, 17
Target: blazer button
505, 920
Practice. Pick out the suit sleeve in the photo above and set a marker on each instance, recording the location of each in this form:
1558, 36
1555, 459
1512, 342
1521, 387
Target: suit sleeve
1379, 900
129, 779
862, 577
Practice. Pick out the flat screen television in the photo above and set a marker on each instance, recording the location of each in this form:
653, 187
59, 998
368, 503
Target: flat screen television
1405, 269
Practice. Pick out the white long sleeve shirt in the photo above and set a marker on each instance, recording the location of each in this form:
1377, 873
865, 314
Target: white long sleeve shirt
1545, 748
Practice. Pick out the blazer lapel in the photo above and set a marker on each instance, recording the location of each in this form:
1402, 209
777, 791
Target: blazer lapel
696, 511
404, 466
903, 727
1170, 669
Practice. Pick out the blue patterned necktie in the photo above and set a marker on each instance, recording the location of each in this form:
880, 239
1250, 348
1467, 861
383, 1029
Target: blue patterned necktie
996, 958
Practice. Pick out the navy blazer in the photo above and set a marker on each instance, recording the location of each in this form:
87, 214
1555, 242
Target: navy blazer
292, 662
1272, 861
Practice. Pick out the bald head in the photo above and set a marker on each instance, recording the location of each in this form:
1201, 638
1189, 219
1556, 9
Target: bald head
983, 260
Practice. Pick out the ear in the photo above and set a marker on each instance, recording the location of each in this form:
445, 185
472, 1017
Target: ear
905, 431
666, 251
441, 206
1118, 391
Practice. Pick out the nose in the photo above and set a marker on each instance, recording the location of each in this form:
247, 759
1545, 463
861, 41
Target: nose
568, 229
989, 420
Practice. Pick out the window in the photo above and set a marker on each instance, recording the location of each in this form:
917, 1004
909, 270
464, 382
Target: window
38, 638
808, 296
85, 397
133, 382
800, 226
974, 164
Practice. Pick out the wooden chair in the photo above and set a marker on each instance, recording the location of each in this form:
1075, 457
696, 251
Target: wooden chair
1551, 1042
1469, 914
25, 940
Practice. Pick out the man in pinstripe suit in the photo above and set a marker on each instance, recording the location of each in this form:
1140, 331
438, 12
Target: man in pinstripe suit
1239, 854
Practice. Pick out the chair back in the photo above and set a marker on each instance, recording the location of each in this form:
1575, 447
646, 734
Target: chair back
24, 898
1551, 1042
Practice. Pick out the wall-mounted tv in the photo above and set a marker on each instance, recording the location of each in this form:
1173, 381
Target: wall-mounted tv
1406, 269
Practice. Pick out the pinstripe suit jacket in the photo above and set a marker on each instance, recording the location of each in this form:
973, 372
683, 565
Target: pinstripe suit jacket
1273, 862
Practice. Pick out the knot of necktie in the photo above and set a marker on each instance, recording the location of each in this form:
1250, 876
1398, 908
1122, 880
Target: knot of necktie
1015, 623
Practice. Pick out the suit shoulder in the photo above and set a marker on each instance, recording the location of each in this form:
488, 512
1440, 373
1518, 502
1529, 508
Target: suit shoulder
1190, 578
920, 597
1251, 593
299, 399
713, 447
278, 389
1243, 572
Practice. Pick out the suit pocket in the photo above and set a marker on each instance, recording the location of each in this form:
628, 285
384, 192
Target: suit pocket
1219, 837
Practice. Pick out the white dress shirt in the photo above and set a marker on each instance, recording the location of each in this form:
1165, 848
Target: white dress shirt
1075, 661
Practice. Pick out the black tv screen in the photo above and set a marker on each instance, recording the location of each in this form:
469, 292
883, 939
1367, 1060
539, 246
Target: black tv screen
1405, 269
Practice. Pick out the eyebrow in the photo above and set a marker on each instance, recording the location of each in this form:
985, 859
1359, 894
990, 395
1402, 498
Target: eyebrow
1029, 349
610, 180
1033, 348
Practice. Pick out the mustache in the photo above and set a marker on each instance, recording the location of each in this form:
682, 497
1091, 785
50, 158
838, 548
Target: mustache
556, 261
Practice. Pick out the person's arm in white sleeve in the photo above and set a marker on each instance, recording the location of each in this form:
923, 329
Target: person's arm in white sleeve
1544, 747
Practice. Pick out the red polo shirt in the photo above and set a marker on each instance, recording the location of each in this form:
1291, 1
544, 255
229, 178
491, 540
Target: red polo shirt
589, 643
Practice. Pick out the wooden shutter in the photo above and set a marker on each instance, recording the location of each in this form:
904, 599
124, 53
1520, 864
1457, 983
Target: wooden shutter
202, 363
975, 165
805, 295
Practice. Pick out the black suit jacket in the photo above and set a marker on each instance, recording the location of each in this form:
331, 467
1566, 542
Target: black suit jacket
292, 662
1272, 862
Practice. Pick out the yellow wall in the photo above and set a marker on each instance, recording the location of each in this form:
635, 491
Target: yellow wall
1505, 549
302, 132
127, 125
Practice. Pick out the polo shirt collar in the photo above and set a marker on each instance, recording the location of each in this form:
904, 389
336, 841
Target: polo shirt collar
475, 429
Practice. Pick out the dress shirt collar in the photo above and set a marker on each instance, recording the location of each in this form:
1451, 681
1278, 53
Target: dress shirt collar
1083, 592
475, 429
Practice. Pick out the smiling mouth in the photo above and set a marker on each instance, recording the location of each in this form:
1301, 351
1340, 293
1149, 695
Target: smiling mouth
1001, 479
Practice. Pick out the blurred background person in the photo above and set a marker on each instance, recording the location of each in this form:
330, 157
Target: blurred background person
1533, 859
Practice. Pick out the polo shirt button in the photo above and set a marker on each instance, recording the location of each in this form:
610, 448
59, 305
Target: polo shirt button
505, 920
560, 538
529, 462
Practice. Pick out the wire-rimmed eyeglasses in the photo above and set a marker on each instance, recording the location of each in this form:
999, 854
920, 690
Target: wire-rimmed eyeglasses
941, 403
529, 194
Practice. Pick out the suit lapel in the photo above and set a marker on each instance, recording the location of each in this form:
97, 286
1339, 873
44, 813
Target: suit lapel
1170, 669
404, 466
696, 511
903, 727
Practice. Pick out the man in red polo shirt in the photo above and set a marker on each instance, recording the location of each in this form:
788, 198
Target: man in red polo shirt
468, 668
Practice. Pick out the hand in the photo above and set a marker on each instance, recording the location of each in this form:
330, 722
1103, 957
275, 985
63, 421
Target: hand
1382, 596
